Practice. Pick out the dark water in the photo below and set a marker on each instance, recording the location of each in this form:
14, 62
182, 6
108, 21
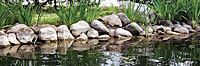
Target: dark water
137, 51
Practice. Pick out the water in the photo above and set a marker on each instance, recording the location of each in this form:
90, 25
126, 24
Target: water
137, 51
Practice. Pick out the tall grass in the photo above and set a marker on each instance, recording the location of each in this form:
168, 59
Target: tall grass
6, 16
83, 10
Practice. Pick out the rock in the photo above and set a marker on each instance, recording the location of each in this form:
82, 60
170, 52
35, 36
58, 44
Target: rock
83, 36
2, 32
144, 33
156, 28
112, 32
48, 48
124, 19
149, 29
26, 48
178, 28
197, 28
79, 27
104, 37
93, 42
172, 33
36, 29
162, 28
4, 41
134, 28
112, 20
12, 38
47, 33
24, 33
4, 51
166, 23
121, 32
63, 46
92, 33
99, 26
64, 33
188, 27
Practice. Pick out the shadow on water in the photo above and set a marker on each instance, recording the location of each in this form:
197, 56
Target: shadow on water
180, 50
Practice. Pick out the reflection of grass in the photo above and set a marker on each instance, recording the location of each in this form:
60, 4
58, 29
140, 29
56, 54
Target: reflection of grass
47, 19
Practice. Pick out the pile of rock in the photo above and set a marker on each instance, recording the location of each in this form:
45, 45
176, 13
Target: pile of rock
103, 28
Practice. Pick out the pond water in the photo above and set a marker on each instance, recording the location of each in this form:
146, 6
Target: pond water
181, 50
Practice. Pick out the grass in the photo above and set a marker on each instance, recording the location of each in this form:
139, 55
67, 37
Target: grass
47, 18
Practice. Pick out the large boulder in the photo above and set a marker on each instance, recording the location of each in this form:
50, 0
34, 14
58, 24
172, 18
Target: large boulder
99, 26
64, 33
47, 34
92, 33
122, 33
4, 41
12, 38
24, 33
134, 28
178, 28
112, 20
124, 19
79, 27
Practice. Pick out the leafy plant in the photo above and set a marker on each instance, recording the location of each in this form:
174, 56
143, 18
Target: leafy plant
83, 10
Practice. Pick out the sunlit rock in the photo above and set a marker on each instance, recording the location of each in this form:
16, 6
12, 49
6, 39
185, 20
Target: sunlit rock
178, 28
79, 27
106, 37
112, 20
24, 33
122, 33
64, 33
93, 41
82, 36
4, 41
188, 27
47, 33
92, 33
100, 27
12, 38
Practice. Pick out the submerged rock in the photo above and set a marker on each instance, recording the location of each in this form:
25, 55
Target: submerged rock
124, 19
79, 27
121, 32
12, 38
83, 36
134, 28
4, 41
47, 33
64, 33
24, 33
112, 20
92, 33
100, 27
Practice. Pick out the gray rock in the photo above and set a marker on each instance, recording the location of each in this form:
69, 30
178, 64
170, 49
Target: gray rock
112, 20
122, 33
134, 28
149, 29
188, 27
197, 28
93, 42
83, 36
124, 19
64, 33
4, 41
92, 33
2, 32
112, 32
24, 33
12, 38
166, 23
99, 26
178, 28
79, 27
47, 34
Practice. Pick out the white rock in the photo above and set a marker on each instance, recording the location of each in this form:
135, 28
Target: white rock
64, 33
4, 40
12, 38
104, 37
92, 33
121, 32
112, 20
79, 27
47, 33
83, 36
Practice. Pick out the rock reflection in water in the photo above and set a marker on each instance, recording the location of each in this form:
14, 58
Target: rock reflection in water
63, 46
80, 45
47, 48
4, 51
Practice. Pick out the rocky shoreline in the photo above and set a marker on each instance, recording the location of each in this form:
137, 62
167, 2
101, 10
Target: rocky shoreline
118, 26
